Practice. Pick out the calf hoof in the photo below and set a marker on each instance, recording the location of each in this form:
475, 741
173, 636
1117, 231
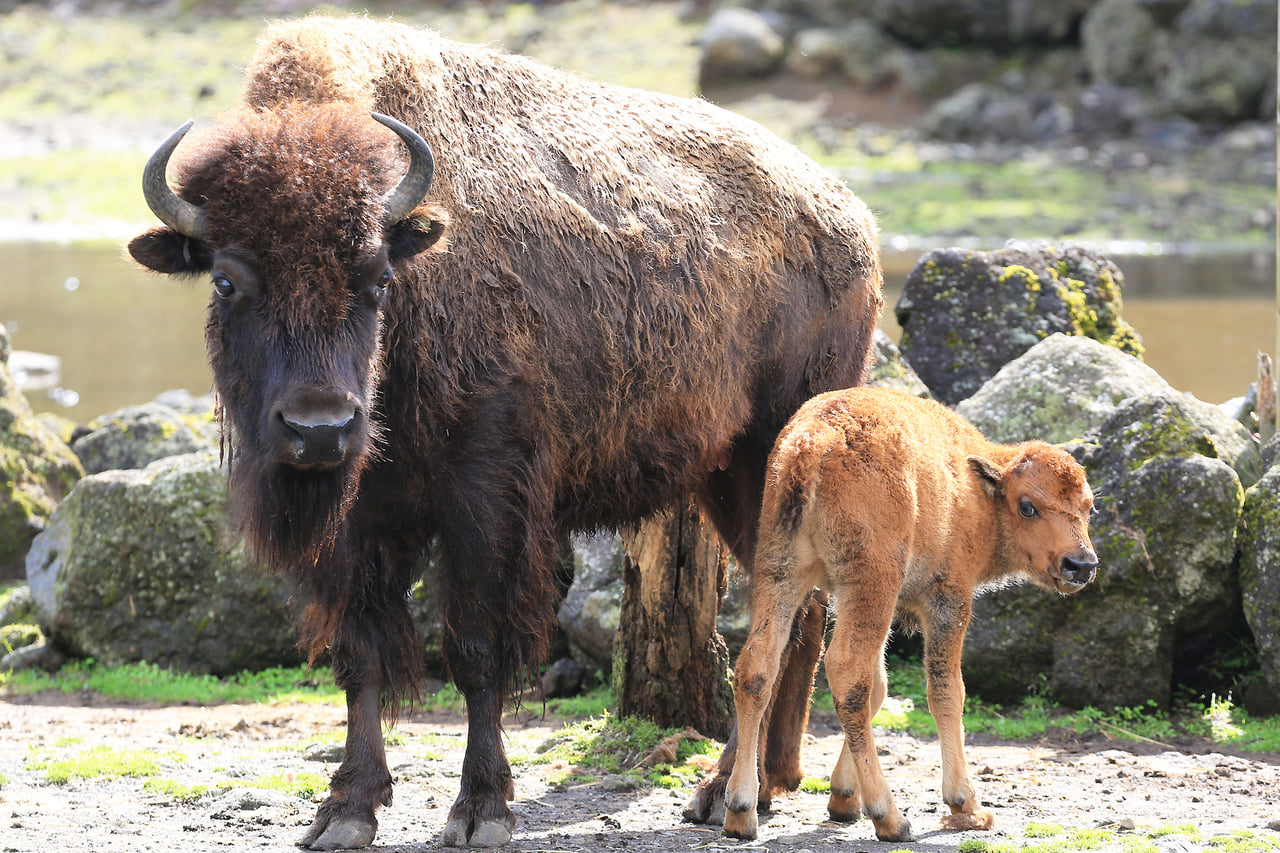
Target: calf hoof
741, 824
900, 833
977, 819
844, 808
707, 804
340, 834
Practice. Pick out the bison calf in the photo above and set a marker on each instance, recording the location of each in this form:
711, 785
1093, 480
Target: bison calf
900, 508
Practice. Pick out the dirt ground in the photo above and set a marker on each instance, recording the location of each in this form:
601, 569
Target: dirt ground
1079, 785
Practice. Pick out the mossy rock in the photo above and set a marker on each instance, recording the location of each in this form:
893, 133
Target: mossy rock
965, 313
137, 565
890, 370
1067, 387
37, 470
136, 436
1166, 508
1260, 571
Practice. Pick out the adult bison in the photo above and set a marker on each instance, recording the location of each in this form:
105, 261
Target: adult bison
601, 299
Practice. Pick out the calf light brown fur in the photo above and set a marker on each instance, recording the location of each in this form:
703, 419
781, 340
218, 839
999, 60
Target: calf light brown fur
899, 508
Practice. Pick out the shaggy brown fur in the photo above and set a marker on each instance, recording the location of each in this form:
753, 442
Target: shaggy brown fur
893, 503
635, 293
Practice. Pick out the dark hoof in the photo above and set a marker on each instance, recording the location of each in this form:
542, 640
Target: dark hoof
342, 834
464, 830
707, 804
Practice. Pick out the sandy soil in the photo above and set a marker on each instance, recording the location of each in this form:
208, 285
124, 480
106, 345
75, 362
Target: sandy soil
1079, 785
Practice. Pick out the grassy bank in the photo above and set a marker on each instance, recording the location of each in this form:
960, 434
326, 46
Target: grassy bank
85, 97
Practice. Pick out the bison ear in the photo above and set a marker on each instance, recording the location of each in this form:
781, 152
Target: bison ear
165, 250
988, 474
421, 232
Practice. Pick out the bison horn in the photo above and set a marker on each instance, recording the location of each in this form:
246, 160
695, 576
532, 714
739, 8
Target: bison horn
413, 187
182, 216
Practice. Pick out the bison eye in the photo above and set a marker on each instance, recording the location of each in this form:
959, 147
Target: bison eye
385, 278
223, 287
1027, 508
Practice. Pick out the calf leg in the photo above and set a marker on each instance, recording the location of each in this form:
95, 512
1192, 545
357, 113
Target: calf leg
845, 802
786, 720
854, 662
944, 640
774, 601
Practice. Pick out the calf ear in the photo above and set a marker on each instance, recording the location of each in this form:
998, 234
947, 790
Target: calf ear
421, 232
988, 474
165, 250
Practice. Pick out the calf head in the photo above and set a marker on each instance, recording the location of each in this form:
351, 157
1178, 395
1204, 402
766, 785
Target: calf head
294, 216
1043, 502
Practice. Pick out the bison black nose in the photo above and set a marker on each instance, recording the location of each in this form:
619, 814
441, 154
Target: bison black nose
1078, 569
314, 437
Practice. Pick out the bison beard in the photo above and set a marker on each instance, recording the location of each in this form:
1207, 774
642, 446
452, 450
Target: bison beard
288, 517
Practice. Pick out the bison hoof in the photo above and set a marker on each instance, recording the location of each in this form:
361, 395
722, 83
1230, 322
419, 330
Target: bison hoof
707, 805
488, 833
980, 819
741, 824
347, 834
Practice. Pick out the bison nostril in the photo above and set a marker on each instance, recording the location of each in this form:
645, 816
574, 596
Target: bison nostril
315, 439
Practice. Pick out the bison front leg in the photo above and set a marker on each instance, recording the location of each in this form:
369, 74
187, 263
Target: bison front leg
346, 820
480, 816
944, 640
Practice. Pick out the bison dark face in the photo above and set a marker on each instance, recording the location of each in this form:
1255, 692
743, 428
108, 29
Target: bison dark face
305, 246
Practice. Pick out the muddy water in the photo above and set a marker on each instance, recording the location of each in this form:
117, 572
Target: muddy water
123, 336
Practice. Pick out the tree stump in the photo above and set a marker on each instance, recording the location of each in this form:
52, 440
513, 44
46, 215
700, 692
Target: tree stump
669, 663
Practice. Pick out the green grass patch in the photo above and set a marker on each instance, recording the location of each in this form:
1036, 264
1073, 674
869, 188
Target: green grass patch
99, 762
610, 746
146, 682
306, 786
176, 791
1213, 719
815, 785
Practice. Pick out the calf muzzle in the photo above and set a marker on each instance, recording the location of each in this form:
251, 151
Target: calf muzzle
1077, 570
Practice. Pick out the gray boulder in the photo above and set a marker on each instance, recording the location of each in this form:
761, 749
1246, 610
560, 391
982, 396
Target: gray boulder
1065, 387
1118, 38
965, 313
1222, 61
992, 23
1260, 571
36, 470
136, 436
858, 50
136, 565
890, 370
592, 607
738, 43
1167, 500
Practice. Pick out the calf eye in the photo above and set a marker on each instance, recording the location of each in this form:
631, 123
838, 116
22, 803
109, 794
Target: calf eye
223, 287
1027, 508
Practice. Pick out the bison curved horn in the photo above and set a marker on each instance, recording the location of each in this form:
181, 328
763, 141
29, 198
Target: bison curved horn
415, 184
182, 216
